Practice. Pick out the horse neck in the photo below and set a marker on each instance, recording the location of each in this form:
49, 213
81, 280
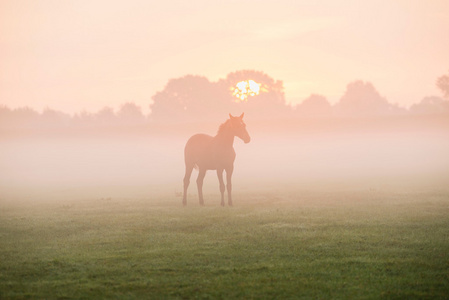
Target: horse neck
224, 136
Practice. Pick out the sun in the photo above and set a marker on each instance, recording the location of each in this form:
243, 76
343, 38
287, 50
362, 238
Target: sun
245, 89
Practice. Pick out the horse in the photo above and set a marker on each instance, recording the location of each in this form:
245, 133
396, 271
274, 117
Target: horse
206, 152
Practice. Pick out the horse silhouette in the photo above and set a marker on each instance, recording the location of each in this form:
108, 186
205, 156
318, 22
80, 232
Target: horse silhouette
214, 153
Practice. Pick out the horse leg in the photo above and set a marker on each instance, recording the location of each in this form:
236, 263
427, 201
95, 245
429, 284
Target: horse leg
222, 185
199, 183
229, 184
189, 169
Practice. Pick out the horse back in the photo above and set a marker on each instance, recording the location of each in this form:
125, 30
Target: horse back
202, 150
195, 147
197, 142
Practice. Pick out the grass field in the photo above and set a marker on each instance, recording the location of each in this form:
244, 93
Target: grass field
292, 244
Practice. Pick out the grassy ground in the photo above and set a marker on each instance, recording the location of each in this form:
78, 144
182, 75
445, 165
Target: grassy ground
296, 244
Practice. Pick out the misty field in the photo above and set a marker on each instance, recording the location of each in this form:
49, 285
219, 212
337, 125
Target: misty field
282, 244
322, 209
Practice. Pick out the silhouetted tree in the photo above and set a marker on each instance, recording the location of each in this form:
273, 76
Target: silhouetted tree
314, 105
5, 116
51, 118
187, 98
106, 117
361, 98
83, 119
195, 98
269, 103
23, 117
443, 85
431, 105
131, 114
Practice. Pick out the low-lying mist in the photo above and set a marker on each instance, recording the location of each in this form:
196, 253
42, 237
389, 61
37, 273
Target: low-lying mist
146, 162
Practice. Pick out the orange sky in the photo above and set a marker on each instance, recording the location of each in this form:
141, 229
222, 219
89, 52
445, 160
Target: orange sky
75, 55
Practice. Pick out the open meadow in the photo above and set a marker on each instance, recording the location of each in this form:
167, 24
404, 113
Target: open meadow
330, 213
287, 244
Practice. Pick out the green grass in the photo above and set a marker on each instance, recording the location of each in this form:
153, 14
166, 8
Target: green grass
360, 245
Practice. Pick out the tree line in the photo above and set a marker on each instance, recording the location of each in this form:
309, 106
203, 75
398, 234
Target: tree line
195, 99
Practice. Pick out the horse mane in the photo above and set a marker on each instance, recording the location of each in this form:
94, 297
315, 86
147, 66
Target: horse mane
223, 127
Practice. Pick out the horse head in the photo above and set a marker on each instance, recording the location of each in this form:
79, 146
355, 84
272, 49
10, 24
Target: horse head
239, 128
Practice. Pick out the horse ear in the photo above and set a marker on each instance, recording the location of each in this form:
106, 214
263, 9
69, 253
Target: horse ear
241, 116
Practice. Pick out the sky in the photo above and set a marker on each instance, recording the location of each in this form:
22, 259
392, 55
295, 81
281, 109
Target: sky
84, 54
